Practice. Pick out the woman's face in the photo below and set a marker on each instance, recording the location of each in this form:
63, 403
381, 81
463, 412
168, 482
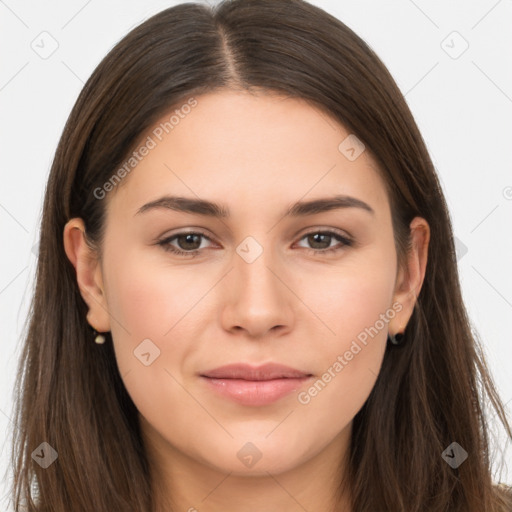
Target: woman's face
314, 289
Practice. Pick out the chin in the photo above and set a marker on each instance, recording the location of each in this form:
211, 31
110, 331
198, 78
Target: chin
256, 456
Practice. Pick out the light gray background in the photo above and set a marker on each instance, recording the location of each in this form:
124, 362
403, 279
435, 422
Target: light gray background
462, 104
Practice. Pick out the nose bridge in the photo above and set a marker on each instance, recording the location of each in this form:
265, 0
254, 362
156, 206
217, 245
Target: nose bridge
258, 300
252, 263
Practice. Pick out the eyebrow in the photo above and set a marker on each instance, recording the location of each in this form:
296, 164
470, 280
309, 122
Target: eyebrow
211, 209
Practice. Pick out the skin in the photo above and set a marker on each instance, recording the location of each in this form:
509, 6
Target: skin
255, 154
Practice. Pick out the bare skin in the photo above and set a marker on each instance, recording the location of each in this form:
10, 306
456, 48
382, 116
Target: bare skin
256, 155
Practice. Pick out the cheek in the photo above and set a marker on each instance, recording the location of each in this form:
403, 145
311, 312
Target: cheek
152, 311
349, 298
150, 302
357, 312
355, 307
149, 297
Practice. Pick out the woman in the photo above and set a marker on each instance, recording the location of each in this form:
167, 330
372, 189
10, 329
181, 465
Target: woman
310, 350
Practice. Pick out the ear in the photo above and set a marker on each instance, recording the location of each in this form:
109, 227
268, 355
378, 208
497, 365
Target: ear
410, 279
88, 274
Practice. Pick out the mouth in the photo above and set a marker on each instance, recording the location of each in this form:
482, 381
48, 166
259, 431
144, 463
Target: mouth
254, 386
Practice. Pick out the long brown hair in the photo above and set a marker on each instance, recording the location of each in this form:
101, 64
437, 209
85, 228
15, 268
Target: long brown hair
428, 394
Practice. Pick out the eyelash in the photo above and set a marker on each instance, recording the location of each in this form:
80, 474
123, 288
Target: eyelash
165, 243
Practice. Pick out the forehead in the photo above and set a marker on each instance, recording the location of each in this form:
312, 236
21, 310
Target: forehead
246, 148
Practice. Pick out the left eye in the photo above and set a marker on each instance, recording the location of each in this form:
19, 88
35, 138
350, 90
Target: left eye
319, 237
188, 242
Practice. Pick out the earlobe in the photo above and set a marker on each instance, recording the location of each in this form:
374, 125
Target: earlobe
88, 273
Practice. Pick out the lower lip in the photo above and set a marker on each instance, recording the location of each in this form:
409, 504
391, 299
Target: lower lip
255, 392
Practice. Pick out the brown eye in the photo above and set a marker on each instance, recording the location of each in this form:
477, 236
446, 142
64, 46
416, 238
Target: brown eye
320, 241
189, 241
188, 244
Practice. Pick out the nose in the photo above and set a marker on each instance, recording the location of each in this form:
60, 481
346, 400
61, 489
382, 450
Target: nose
257, 293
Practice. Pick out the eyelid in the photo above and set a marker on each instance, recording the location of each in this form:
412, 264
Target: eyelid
336, 231
184, 231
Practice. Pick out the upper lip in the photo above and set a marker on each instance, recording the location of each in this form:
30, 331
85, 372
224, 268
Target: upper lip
245, 371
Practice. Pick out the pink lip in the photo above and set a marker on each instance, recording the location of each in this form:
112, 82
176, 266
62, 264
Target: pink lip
251, 385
